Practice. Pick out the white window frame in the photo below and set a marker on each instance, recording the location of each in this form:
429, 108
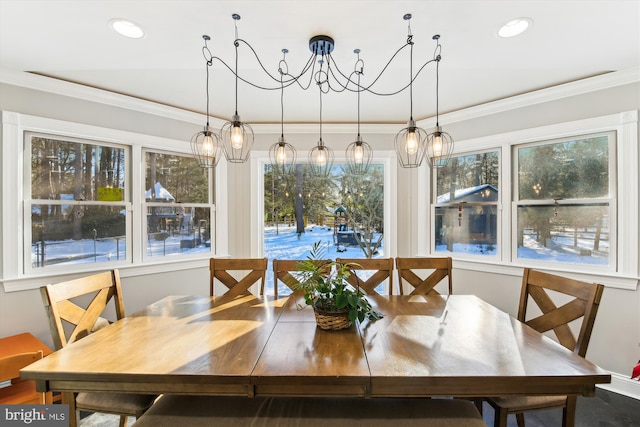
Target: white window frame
16, 276
625, 273
261, 158
146, 205
611, 199
498, 205
29, 270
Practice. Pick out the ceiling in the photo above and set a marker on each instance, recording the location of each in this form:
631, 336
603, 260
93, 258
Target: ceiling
71, 40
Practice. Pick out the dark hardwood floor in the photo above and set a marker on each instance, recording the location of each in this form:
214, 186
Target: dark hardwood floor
605, 409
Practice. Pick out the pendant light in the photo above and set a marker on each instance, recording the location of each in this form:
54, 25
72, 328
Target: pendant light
281, 154
439, 143
205, 144
237, 137
321, 157
410, 141
358, 153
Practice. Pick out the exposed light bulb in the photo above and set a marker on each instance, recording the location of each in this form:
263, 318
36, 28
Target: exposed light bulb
236, 137
281, 154
411, 143
321, 158
358, 154
437, 145
208, 145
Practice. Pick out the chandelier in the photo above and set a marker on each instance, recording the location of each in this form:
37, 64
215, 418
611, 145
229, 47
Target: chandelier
412, 143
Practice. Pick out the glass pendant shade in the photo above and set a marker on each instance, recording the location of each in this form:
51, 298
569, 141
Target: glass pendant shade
359, 155
439, 148
282, 156
206, 148
321, 160
237, 139
410, 145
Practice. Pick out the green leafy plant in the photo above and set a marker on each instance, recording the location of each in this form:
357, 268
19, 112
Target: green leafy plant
325, 287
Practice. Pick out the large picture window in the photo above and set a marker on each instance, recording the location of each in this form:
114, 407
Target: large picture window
565, 200
78, 201
344, 212
466, 204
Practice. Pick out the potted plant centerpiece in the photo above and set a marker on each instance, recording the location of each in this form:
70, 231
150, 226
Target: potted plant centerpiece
335, 303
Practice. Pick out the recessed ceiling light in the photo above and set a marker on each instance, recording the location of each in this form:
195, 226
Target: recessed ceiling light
126, 28
515, 27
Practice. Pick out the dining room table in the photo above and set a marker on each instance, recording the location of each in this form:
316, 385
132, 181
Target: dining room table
248, 345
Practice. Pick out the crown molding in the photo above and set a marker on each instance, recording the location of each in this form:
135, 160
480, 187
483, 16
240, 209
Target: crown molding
553, 93
578, 87
86, 93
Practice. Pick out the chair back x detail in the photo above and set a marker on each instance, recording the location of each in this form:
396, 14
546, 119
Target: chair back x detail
285, 271
251, 270
585, 303
407, 268
57, 300
382, 269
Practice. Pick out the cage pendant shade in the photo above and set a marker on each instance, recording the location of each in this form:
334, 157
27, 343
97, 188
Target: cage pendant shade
359, 155
237, 139
282, 157
206, 148
410, 144
321, 160
439, 148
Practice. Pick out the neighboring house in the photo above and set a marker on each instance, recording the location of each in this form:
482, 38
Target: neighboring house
475, 223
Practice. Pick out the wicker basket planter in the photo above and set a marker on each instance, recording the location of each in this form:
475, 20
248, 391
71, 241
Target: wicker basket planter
332, 320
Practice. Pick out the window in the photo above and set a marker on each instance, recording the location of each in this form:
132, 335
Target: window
466, 204
78, 201
565, 200
346, 213
178, 209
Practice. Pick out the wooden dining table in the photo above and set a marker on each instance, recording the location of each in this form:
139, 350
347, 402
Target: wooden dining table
457, 345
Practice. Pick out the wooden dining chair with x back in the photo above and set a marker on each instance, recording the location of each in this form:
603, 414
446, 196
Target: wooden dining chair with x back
284, 270
368, 274
584, 303
61, 303
236, 274
424, 274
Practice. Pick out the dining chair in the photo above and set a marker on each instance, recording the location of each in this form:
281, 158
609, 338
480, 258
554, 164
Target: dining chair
377, 269
61, 301
20, 391
584, 302
250, 269
285, 270
410, 271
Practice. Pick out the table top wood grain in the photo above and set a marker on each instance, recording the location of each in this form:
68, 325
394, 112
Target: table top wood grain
454, 345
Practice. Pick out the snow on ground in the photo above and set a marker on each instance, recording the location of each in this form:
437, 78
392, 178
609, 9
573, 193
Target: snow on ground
282, 242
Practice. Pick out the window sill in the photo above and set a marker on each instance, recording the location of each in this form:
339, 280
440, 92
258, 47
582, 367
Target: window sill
608, 279
165, 265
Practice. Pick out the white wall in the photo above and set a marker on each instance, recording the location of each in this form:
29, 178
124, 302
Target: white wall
615, 343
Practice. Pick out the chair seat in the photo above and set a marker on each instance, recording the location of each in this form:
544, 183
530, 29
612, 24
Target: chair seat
524, 403
115, 403
224, 411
